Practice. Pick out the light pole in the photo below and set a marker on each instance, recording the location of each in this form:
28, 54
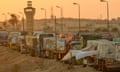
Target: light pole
55, 32
78, 14
61, 13
45, 14
107, 6
23, 20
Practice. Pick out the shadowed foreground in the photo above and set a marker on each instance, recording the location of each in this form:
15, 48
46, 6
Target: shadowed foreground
13, 61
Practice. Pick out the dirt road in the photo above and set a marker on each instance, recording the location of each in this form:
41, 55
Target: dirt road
13, 61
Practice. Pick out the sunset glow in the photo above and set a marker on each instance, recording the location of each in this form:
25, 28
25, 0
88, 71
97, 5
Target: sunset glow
89, 8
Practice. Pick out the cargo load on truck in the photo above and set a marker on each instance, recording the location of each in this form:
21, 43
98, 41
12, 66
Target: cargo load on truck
14, 40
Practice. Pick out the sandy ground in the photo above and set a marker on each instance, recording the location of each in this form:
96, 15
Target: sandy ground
13, 61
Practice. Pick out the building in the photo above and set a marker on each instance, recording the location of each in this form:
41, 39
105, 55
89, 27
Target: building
29, 13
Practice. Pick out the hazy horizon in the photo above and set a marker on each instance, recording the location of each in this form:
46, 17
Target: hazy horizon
93, 9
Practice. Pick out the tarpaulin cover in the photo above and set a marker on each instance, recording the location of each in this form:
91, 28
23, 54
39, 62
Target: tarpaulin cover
105, 49
78, 54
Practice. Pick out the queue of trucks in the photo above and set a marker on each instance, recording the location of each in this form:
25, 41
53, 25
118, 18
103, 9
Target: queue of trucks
38, 44
100, 51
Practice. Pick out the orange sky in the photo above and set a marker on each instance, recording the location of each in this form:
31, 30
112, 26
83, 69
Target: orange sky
89, 8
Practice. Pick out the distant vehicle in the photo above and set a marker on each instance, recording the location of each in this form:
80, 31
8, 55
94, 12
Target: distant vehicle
14, 39
42, 36
3, 38
30, 44
41, 42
